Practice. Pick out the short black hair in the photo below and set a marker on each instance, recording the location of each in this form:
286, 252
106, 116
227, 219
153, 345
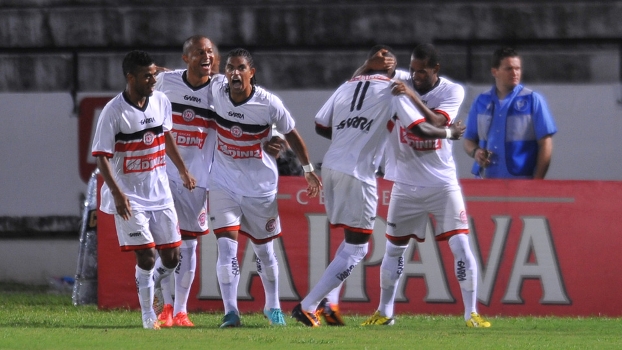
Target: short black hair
240, 52
134, 60
190, 41
377, 48
427, 52
501, 54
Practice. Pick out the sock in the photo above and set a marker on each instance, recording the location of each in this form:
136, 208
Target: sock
228, 273
144, 285
159, 272
333, 295
165, 284
390, 272
336, 273
268, 269
465, 269
184, 274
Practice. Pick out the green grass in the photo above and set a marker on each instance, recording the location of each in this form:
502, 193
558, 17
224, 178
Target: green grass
35, 319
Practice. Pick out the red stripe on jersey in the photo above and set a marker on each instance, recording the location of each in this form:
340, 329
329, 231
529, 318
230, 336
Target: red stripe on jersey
236, 133
144, 163
240, 152
438, 111
105, 154
189, 138
195, 121
149, 140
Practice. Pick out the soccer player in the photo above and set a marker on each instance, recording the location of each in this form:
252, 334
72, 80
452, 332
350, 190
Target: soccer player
243, 182
131, 142
187, 90
355, 117
425, 183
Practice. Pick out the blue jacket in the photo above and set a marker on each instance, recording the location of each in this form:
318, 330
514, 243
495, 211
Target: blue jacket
510, 130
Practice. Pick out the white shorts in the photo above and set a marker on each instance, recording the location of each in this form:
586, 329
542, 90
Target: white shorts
255, 217
148, 229
191, 208
350, 203
410, 208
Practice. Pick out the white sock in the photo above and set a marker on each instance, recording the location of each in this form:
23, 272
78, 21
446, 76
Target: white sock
390, 272
159, 272
337, 271
268, 269
144, 285
333, 295
228, 273
465, 269
184, 274
165, 284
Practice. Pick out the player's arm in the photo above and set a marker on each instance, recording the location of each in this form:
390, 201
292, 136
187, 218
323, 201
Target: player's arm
121, 202
545, 151
300, 149
428, 131
399, 87
173, 153
378, 62
326, 132
274, 146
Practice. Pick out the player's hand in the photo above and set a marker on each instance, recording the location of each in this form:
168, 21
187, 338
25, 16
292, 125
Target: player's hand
189, 181
274, 146
380, 62
161, 69
457, 130
314, 184
122, 204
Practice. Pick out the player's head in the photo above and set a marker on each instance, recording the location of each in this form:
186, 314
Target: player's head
240, 71
200, 56
139, 70
385, 51
506, 68
424, 67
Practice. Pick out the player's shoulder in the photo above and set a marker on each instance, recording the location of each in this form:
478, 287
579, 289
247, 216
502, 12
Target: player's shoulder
450, 84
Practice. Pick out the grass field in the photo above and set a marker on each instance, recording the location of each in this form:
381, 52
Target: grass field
40, 320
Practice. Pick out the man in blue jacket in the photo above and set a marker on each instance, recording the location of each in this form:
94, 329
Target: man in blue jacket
509, 129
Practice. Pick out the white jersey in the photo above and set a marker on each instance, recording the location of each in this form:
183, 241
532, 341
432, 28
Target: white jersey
420, 162
134, 138
358, 113
192, 129
240, 164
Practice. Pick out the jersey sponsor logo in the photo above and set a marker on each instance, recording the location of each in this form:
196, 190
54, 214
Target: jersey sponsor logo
240, 152
192, 98
417, 143
188, 115
461, 271
236, 131
271, 225
236, 115
356, 123
144, 163
148, 138
343, 275
391, 224
147, 121
134, 234
189, 138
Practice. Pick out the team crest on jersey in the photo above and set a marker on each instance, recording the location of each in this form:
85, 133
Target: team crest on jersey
520, 105
271, 225
236, 131
463, 216
188, 115
148, 138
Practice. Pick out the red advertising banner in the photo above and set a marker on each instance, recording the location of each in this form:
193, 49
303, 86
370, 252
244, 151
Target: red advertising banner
543, 248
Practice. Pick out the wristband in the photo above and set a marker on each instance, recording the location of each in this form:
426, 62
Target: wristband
308, 168
473, 152
448, 131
